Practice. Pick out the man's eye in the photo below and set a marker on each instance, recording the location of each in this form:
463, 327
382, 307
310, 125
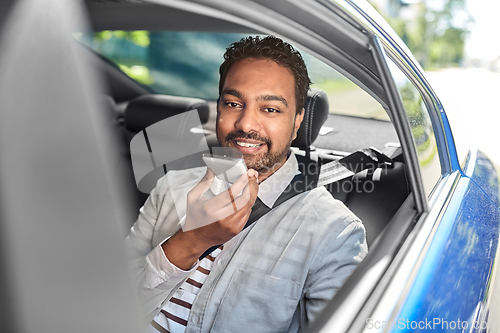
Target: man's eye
271, 110
231, 104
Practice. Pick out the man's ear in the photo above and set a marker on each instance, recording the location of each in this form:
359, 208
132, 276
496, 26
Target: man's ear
298, 120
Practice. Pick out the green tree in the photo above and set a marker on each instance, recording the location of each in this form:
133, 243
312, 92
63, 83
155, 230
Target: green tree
447, 49
435, 37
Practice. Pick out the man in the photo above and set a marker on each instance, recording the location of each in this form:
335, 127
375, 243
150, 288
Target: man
277, 274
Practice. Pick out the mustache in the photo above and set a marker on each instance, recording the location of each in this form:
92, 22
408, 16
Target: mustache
250, 136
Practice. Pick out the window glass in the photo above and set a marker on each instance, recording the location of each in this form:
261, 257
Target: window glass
421, 128
187, 64
169, 62
345, 97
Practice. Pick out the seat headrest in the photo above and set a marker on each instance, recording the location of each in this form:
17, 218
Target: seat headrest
316, 112
146, 110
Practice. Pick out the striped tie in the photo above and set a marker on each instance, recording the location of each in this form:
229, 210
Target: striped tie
173, 317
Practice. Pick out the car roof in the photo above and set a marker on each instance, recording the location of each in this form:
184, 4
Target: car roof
141, 15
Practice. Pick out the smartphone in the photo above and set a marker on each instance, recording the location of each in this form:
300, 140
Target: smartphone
225, 167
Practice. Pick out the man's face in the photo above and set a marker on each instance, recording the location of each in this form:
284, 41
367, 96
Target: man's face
256, 113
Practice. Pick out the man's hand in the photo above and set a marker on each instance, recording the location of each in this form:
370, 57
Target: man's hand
212, 221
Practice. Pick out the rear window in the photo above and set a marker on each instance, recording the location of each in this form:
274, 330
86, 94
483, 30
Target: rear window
183, 63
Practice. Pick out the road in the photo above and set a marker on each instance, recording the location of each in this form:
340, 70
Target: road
471, 98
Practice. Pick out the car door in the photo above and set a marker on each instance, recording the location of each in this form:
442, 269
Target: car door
443, 292
447, 278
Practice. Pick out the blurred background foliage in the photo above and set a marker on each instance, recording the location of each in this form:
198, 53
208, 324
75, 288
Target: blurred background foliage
435, 33
135, 42
186, 63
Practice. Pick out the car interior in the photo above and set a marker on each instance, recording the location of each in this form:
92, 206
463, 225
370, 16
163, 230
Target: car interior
374, 193
348, 111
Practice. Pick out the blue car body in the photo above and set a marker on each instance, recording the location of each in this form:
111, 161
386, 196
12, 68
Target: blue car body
455, 284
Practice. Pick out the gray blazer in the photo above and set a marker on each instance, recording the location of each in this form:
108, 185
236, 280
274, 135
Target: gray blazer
276, 276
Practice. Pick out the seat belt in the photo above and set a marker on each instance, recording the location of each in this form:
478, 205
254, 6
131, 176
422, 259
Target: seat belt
310, 178
364, 159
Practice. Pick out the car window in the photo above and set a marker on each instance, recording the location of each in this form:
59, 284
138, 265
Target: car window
421, 128
186, 63
169, 62
345, 97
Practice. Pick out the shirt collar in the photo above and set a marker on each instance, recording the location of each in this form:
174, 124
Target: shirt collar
272, 187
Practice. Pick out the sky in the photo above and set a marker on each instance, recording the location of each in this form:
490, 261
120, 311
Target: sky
484, 41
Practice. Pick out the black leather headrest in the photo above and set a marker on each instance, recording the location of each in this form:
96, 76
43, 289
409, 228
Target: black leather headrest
316, 112
146, 110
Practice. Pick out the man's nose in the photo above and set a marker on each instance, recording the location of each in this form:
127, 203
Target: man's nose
249, 120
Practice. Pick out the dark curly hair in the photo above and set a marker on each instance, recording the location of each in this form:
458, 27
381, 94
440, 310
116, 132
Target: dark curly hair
269, 48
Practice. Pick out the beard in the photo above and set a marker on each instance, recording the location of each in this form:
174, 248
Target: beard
262, 162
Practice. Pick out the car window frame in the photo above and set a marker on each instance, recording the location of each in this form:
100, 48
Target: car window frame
359, 297
272, 23
402, 57
424, 224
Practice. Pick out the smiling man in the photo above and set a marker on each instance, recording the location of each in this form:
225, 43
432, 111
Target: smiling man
275, 275
257, 112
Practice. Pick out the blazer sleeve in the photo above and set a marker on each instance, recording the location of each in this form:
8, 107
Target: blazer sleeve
156, 279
